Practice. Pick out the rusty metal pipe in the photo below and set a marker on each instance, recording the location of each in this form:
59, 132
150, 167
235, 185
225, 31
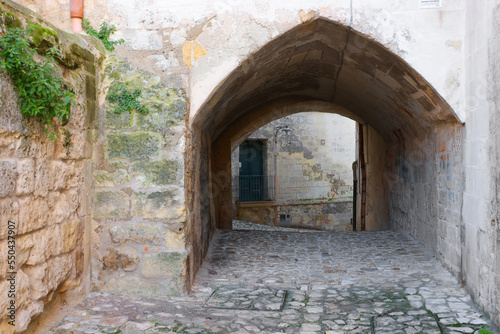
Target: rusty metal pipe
76, 12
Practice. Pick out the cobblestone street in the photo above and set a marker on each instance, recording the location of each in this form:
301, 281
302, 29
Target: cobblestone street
290, 282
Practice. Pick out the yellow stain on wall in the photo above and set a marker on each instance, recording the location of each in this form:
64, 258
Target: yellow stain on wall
186, 53
191, 51
198, 50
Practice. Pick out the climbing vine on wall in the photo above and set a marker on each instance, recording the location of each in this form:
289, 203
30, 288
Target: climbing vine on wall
126, 100
39, 86
105, 31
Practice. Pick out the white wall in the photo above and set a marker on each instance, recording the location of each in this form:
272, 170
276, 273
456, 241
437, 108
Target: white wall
481, 255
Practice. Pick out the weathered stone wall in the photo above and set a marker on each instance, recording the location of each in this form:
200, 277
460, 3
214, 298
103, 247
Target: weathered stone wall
425, 178
315, 159
139, 212
138, 204
45, 185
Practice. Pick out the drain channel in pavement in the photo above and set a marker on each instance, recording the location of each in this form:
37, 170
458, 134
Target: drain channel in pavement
247, 298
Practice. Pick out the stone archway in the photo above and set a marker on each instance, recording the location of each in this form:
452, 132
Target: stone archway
324, 65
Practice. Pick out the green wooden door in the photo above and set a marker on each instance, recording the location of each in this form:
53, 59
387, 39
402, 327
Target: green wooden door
251, 171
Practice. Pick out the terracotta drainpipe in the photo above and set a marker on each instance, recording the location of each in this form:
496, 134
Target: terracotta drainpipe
76, 11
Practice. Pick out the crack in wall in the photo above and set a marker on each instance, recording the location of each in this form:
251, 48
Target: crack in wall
343, 53
341, 63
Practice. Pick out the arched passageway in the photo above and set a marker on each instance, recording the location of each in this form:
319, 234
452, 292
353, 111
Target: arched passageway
411, 136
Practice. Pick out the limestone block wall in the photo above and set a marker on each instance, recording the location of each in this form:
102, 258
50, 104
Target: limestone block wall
45, 185
425, 178
315, 158
141, 243
138, 203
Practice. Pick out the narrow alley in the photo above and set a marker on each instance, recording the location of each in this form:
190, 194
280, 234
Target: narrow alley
303, 281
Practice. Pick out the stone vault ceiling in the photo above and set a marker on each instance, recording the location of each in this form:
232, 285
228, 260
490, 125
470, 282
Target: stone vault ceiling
324, 61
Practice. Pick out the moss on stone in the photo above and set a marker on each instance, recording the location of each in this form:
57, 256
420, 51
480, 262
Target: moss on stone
96, 42
118, 164
118, 121
154, 205
156, 173
106, 179
12, 21
167, 107
163, 114
102, 177
154, 199
73, 50
112, 73
42, 37
115, 68
111, 204
133, 145
82, 51
134, 79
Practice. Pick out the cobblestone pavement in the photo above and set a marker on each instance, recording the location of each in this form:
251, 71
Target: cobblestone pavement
288, 282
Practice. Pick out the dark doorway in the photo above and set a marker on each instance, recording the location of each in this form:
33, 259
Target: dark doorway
251, 178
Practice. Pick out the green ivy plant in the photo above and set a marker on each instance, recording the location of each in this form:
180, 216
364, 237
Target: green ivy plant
103, 34
40, 88
484, 330
126, 100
